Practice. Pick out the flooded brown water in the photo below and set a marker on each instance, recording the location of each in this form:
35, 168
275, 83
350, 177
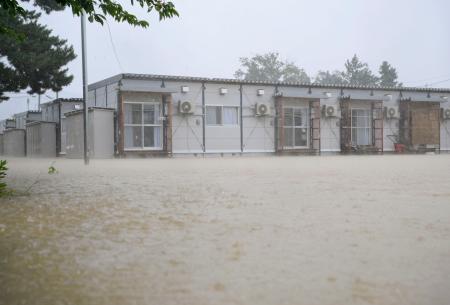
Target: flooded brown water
267, 230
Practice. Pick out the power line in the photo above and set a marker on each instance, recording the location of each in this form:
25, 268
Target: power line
425, 79
442, 81
114, 47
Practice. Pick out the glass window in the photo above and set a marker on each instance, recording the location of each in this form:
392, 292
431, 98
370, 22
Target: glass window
151, 113
133, 137
143, 127
230, 115
133, 113
361, 127
296, 127
152, 136
213, 115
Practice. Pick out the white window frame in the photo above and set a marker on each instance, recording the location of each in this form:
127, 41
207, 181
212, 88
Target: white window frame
142, 125
222, 118
307, 126
369, 111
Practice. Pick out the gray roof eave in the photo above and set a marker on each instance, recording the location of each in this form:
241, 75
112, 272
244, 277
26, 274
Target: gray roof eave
118, 77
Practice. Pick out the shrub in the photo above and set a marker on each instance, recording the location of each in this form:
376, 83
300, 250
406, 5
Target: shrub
3, 170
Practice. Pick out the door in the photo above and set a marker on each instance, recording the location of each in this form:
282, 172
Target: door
296, 127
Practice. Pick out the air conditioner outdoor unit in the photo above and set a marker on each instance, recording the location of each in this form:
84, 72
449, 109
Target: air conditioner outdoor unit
446, 114
262, 109
391, 112
185, 107
330, 111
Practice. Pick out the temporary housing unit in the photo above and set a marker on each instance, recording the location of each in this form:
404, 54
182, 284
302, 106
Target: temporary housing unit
14, 142
55, 111
21, 119
41, 139
159, 114
100, 133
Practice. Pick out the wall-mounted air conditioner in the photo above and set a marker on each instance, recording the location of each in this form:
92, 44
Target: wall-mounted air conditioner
445, 113
330, 111
184, 89
262, 109
391, 112
185, 107
223, 91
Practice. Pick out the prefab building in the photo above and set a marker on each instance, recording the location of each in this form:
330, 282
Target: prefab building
14, 142
175, 115
55, 111
41, 139
21, 119
100, 133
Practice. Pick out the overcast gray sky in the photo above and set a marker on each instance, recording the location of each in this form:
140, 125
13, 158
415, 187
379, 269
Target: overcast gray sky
210, 35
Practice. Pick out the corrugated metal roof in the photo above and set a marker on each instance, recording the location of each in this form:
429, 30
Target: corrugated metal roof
62, 100
118, 77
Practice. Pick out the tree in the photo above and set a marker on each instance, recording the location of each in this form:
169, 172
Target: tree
358, 73
388, 75
30, 57
330, 78
269, 67
36, 62
96, 10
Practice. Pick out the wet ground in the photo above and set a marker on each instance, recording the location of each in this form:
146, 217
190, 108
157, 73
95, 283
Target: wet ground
266, 230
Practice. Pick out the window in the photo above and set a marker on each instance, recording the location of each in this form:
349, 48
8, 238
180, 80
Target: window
222, 115
361, 127
143, 128
296, 127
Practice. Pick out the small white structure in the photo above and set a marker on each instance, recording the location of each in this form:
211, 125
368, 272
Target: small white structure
14, 142
41, 139
100, 133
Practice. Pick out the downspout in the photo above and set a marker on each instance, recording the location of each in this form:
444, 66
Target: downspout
58, 147
276, 119
203, 117
118, 122
241, 125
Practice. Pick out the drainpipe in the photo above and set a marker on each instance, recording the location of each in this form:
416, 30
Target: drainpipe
241, 125
203, 116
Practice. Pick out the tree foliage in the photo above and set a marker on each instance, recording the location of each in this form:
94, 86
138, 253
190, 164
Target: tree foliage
358, 73
269, 67
3, 170
30, 57
37, 62
96, 10
388, 75
330, 78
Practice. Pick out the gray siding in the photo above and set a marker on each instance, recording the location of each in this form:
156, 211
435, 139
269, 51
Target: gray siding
100, 136
41, 140
14, 142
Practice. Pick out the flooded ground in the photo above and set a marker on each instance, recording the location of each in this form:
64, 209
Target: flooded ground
266, 230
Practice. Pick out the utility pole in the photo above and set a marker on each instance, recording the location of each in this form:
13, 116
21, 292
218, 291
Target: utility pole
85, 87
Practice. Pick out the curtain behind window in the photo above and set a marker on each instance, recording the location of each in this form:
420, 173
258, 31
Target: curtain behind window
230, 115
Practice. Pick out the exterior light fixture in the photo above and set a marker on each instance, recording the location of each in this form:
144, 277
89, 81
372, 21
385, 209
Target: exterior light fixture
223, 91
260, 92
388, 97
184, 89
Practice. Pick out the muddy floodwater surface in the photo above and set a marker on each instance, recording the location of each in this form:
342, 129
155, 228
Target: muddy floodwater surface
238, 230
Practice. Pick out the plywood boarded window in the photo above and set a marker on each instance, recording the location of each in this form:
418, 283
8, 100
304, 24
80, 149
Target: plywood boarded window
424, 125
